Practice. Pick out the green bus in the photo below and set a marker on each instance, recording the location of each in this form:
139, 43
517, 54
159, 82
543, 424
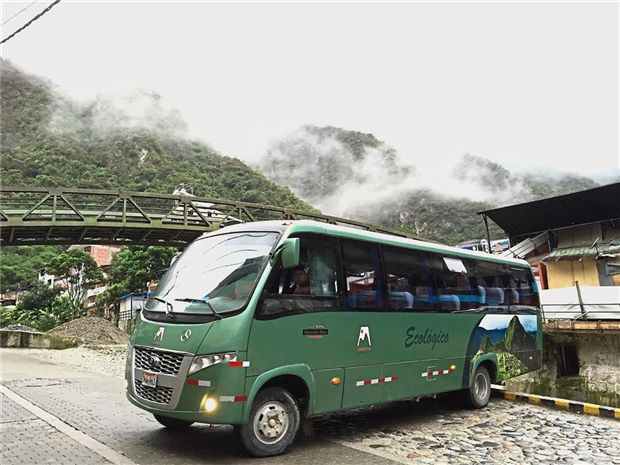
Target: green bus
262, 325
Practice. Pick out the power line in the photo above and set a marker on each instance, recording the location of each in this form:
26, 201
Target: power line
31, 21
19, 12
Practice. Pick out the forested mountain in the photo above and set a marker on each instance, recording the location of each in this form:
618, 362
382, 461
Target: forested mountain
48, 140
139, 145
353, 174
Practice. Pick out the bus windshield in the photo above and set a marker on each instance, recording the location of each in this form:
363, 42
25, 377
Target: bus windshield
215, 274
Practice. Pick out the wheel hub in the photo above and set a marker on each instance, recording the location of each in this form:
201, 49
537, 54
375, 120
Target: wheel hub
270, 422
480, 386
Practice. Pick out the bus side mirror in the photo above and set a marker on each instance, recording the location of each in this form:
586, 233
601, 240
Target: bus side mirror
290, 252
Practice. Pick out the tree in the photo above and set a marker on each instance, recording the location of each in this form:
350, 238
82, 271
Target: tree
136, 266
40, 296
132, 268
19, 266
80, 272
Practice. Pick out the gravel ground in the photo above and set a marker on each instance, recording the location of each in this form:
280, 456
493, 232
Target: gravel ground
105, 359
91, 330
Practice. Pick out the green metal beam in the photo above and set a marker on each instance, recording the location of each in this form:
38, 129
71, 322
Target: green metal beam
38, 215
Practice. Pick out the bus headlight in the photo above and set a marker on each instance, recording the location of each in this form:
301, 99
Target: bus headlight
205, 361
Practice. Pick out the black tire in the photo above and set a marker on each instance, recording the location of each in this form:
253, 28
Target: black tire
264, 435
173, 423
479, 393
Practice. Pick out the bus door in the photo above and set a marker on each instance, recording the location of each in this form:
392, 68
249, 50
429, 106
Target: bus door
297, 321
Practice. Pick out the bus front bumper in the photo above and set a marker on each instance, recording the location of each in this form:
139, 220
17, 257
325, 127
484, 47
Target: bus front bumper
225, 413
213, 395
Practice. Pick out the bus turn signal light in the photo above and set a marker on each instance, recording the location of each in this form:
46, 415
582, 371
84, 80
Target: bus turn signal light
336, 381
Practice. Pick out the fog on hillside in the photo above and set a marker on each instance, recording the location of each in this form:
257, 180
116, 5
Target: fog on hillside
352, 174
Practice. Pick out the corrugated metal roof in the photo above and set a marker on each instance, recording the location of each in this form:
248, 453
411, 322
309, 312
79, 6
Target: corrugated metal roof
583, 207
570, 253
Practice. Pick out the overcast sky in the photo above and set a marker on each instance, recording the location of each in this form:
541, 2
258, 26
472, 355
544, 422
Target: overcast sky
529, 85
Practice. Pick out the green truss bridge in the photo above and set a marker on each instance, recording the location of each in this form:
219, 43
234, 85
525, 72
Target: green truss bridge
35, 216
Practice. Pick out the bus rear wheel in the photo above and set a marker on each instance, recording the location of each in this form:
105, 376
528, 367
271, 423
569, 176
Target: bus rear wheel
273, 425
479, 393
173, 423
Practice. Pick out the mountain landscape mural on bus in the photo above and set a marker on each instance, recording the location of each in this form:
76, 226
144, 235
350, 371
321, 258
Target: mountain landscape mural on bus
512, 338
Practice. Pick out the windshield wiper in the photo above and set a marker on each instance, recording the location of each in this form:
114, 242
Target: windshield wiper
201, 301
169, 308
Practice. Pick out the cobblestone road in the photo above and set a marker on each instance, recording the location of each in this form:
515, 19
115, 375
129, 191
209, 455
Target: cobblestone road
430, 432
434, 432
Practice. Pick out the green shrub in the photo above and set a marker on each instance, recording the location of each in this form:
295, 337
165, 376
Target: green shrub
42, 319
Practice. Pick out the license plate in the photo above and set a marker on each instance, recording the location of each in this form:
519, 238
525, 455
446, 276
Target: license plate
149, 379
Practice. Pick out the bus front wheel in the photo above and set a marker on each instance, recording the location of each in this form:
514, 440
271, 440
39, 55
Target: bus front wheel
273, 425
479, 393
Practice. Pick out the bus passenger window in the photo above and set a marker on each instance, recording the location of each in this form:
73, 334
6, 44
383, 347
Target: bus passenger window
455, 284
409, 282
522, 288
361, 262
492, 279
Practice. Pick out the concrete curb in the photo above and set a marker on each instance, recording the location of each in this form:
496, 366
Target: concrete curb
562, 404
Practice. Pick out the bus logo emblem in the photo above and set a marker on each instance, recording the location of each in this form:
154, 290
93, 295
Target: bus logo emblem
159, 335
154, 362
363, 340
186, 335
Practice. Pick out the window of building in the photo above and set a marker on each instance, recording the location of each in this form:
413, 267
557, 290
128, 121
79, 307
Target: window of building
568, 362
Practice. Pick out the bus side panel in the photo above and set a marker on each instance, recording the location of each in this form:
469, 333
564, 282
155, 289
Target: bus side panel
385, 356
328, 387
363, 386
428, 353
425, 377
315, 340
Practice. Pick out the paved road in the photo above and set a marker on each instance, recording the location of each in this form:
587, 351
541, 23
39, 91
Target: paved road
430, 432
95, 404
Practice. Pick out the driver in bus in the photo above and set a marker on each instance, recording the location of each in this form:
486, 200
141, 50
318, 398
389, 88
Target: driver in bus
300, 281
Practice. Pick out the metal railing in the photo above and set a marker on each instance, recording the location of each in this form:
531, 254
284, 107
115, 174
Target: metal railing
30, 216
579, 313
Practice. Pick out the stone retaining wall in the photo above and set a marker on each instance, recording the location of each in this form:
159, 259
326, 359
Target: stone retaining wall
598, 379
33, 340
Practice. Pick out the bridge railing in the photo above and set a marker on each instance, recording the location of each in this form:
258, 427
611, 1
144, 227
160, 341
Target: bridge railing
65, 215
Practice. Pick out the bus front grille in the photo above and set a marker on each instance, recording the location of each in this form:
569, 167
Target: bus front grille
159, 394
158, 361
